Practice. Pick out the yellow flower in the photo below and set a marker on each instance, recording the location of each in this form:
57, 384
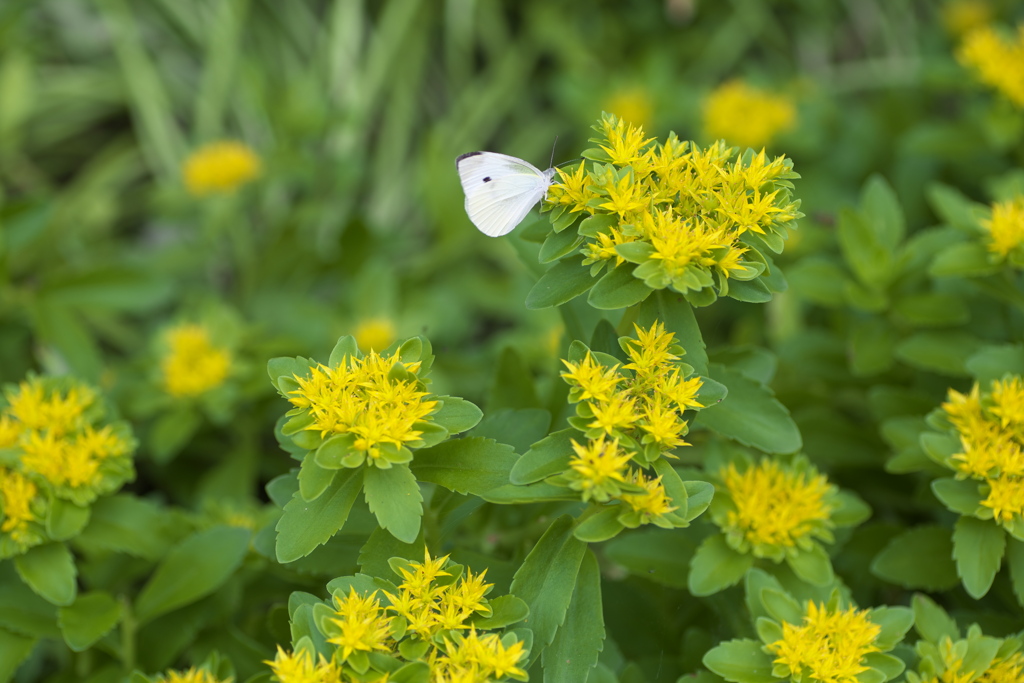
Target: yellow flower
17, 494
624, 196
1005, 498
1006, 227
996, 60
616, 414
375, 334
591, 380
33, 407
362, 624
360, 396
746, 116
830, 645
572, 189
626, 144
220, 167
485, 656
597, 464
299, 667
193, 675
653, 503
193, 365
631, 104
775, 508
1004, 670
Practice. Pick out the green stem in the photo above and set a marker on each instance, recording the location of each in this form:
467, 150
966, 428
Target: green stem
128, 628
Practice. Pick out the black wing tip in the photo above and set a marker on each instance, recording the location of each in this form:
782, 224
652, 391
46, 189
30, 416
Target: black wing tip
459, 158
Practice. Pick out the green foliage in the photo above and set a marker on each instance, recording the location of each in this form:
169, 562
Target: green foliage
809, 329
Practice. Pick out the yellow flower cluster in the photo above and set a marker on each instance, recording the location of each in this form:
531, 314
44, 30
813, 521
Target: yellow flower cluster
378, 400
1006, 227
991, 431
773, 508
829, 646
746, 116
220, 167
997, 60
375, 334
684, 214
192, 675
193, 365
428, 610
629, 413
946, 665
54, 427
632, 104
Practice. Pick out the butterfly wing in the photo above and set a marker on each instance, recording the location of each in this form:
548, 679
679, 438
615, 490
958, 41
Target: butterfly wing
500, 190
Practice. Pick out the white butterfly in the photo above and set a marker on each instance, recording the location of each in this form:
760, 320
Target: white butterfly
500, 190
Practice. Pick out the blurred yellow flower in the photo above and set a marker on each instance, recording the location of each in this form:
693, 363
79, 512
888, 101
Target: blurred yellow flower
746, 116
1006, 227
16, 496
375, 334
962, 16
630, 104
220, 167
193, 365
998, 61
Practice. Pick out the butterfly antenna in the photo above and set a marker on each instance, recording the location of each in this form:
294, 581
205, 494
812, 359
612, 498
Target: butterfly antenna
551, 164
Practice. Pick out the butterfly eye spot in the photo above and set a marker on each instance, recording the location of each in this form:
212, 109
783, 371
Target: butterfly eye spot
487, 179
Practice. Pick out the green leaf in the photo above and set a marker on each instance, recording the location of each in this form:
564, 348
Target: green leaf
345, 347
884, 664
659, 555
931, 621
62, 328
967, 259
308, 524
547, 578
378, 550
872, 342
813, 566
750, 291
782, 606
172, 431
716, 566
932, 309
943, 352
457, 414
750, 414
566, 280
1015, 563
65, 519
601, 526
547, 457
869, 258
511, 494
900, 560
468, 465
513, 384
741, 661
881, 207
978, 547
313, 478
286, 366
993, 362
50, 571
954, 208
895, 622
578, 641
90, 618
559, 244
126, 524
676, 314
959, 495
21, 609
618, 289
394, 497
505, 610
14, 649
518, 428
193, 569
818, 279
